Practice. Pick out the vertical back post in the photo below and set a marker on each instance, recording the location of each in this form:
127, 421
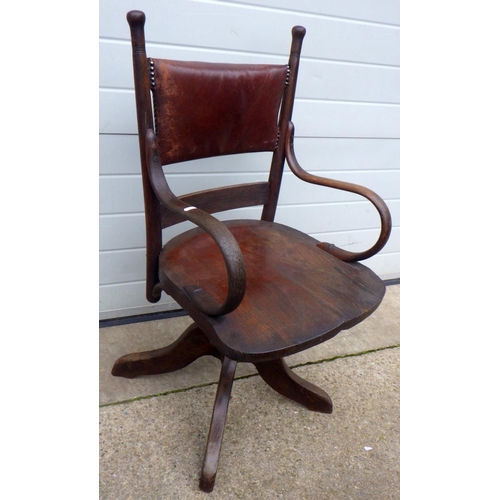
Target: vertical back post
278, 160
136, 20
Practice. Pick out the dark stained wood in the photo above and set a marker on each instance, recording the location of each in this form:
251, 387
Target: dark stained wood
278, 161
257, 290
190, 346
220, 200
217, 425
296, 295
385, 215
227, 246
283, 380
152, 208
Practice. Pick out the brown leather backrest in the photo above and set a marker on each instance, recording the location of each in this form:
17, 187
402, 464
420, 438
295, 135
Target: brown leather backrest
211, 109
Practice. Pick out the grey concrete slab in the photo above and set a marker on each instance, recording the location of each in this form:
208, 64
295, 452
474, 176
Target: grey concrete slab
380, 330
152, 449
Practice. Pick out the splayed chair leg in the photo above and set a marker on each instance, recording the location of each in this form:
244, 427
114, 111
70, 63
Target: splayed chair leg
217, 425
279, 376
191, 345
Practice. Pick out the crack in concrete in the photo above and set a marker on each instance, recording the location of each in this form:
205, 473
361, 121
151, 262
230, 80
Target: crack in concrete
242, 377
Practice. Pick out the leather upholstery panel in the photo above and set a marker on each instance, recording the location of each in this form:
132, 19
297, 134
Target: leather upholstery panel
210, 109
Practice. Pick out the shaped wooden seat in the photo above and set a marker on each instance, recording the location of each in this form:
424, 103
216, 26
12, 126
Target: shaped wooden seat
284, 268
256, 290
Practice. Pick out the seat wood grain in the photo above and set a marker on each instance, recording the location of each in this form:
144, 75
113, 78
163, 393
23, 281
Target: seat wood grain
297, 295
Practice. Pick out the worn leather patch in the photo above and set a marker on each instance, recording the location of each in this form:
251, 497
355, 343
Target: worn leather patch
210, 109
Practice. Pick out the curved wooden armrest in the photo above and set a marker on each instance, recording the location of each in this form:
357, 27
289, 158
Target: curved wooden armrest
226, 242
385, 216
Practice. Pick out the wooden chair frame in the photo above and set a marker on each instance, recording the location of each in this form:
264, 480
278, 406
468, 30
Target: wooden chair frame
163, 209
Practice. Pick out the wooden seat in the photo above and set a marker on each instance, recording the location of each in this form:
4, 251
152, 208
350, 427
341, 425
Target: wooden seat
256, 290
284, 267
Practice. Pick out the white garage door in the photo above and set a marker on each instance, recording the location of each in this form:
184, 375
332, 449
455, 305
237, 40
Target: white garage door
346, 120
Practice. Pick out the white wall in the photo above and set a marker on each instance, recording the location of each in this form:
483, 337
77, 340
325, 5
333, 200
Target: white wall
346, 123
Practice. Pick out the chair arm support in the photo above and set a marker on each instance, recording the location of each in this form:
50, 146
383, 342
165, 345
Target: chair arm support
385, 216
226, 242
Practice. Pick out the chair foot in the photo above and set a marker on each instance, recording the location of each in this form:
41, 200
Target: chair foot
279, 376
191, 345
214, 443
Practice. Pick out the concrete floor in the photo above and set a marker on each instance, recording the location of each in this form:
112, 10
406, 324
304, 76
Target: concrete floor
152, 447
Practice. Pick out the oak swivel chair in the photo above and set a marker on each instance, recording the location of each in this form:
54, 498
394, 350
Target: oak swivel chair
240, 281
